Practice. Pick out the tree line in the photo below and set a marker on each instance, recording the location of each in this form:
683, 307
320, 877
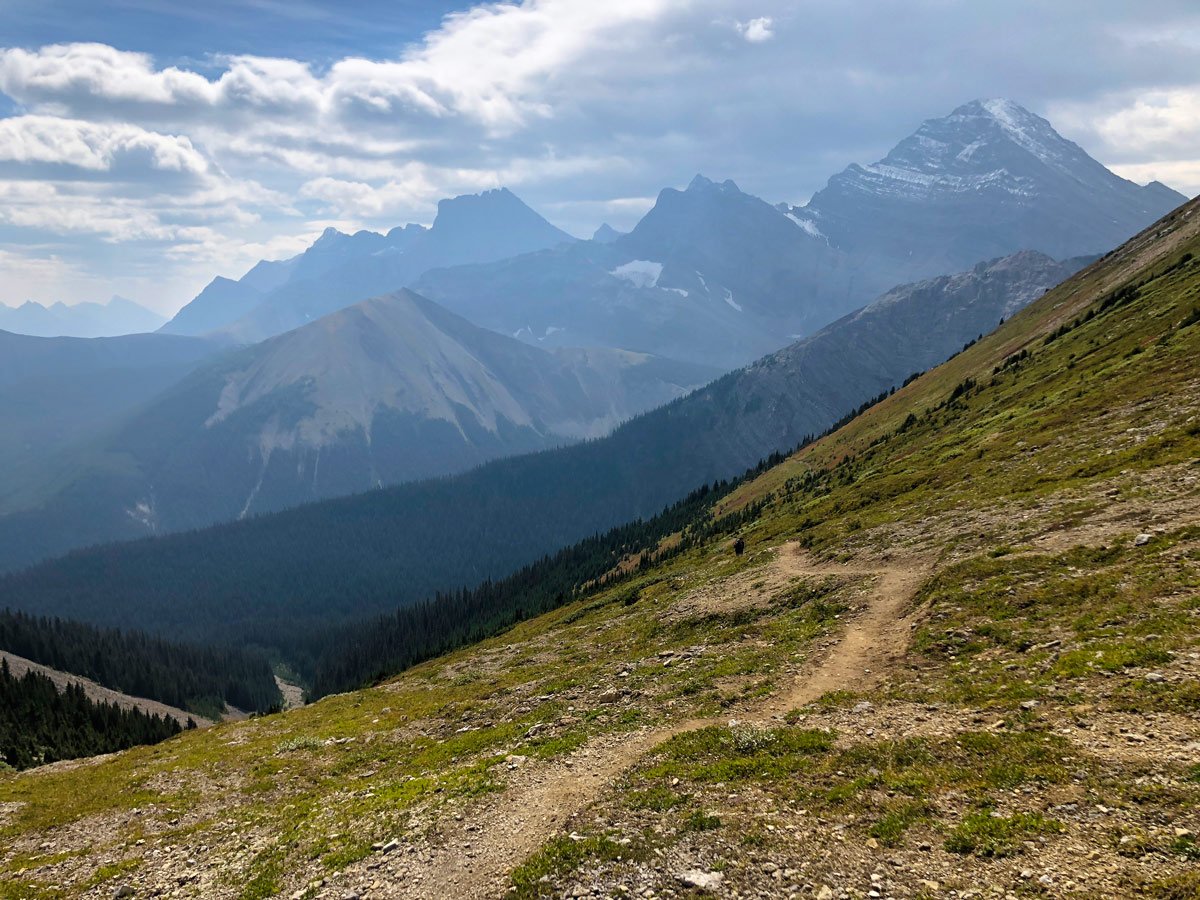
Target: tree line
195, 678
40, 724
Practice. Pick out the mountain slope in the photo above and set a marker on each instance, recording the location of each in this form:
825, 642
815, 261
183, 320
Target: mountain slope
56, 392
386, 391
988, 179
221, 301
397, 546
948, 659
341, 269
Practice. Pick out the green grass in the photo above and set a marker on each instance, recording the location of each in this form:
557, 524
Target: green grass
561, 856
989, 834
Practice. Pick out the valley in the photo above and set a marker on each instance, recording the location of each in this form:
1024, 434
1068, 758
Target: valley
1008, 543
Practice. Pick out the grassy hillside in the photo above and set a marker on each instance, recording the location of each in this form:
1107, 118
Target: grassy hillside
958, 659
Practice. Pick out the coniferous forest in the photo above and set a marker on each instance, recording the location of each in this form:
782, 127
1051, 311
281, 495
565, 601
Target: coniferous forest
40, 724
199, 679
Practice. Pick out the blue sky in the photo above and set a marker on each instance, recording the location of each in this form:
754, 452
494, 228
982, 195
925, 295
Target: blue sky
146, 147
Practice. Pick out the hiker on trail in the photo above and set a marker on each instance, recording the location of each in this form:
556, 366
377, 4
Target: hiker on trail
739, 546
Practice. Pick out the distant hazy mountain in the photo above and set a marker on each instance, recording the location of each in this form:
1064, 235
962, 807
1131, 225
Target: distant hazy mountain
605, 294
605, 234
118, 316
712, 273
425, 536
388, 390
988, 179
55, 392
341, 269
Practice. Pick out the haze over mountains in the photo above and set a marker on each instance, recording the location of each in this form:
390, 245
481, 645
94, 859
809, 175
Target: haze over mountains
396, 546
711, 273
55, 392
388, 390
117, 316
341, 269
333, 394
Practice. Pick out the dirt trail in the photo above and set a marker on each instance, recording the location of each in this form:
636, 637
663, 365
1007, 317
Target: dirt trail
474, 857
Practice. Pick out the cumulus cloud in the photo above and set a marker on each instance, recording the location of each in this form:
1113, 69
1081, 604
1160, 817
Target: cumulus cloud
586, 109
95, 146
1149, 135
757, 30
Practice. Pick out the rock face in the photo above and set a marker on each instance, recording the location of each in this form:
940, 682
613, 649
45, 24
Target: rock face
389, 390
339, 269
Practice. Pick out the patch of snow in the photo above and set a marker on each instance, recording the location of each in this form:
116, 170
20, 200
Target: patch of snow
808, 226
968, 151
703, 283
641, 273
729, 299
551, 329
680, 291
1024, 128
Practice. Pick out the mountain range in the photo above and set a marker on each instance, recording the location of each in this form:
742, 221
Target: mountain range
116, 317
333, 392
714, 274
341, 269
711, 274
389, 390
958, 649
346, 557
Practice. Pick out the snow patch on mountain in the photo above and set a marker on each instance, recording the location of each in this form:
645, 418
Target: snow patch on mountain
729, 299
641, 273
808, 226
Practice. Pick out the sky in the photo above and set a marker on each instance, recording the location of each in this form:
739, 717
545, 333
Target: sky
146, 147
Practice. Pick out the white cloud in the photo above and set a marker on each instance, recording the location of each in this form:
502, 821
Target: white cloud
44, 277
95, 146
1144, 135
757, 30
586, 109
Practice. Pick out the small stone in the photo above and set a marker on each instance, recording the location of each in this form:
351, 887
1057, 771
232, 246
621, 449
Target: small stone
862, 707
1142, 540
609, 696
123, 891
1030, 704
701, 881
1155, 678
825, 893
